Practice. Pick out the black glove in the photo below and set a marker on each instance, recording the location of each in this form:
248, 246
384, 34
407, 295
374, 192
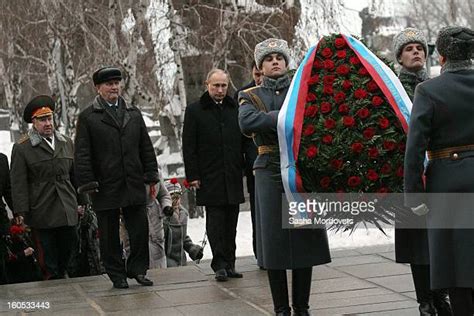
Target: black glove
168, 210
196, 252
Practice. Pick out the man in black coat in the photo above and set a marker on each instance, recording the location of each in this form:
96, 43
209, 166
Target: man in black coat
114, 150
212, 154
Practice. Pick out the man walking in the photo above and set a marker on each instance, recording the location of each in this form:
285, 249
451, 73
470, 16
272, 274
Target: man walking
114, 150
213, 162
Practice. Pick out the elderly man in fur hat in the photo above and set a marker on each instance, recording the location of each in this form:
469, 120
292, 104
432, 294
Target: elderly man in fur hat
115, 153
442, 125
42, 189
277, 249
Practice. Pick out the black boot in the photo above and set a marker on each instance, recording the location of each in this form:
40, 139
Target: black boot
441, 302
279, 289
427, 309
301, 289
424, 296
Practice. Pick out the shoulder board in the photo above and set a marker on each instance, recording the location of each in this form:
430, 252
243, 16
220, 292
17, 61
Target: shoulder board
251, 88
23, 139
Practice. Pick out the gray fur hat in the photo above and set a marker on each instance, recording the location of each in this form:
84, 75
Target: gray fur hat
271, 46
407, 36
455, 43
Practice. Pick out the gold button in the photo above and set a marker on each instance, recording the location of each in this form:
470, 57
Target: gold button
277, 92
455, 156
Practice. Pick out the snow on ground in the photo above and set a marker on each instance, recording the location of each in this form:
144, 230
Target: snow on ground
5, 144
360, 238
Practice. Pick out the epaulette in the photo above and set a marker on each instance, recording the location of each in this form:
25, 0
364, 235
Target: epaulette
250, 89
23, 139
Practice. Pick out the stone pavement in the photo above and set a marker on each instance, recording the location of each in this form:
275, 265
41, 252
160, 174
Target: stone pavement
360, 281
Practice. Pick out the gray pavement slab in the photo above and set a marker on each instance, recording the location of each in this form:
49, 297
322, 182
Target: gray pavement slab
360, 281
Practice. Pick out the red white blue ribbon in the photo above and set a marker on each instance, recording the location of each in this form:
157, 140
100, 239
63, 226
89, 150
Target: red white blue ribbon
290, 118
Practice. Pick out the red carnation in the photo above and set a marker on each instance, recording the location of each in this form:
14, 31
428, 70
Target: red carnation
173, 180
337, 163
389, 145
343, 108
363, 113
354, 181
372, 175
373, 152
326, 53
312, 151
326, 107
327, 139
12, 257
328, 80
16, 230
354, 60
186, 184
328, 64
310, 97
372, 86
384, 123
340, 97
329, 123
313, 80
363, 72
309, 130
346, 85
360, 94
311, 111
328, 90
348, 121
386, 168
377, 101
341, 54
339, 42
357, 148
318, 64
368, 133
399, 172
325, 182
343, 70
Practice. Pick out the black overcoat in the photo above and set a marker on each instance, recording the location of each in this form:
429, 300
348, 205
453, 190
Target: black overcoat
212, 151
117, 153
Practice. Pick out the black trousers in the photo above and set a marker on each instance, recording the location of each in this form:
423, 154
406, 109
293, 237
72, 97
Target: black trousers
57, 246
301, 289
136, 223
221, 228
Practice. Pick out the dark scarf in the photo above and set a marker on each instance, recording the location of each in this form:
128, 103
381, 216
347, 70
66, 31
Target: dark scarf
410, 80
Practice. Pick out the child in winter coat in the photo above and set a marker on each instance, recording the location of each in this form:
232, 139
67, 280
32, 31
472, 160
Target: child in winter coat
177, 242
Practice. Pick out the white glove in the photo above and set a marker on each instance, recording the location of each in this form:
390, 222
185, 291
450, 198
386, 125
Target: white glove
420, 210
